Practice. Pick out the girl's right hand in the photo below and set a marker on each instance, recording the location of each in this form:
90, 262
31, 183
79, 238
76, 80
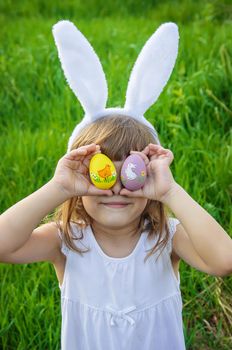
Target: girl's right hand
72, 172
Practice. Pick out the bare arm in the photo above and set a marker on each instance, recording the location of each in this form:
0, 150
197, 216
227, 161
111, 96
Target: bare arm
18, 222
20, 242
209, 239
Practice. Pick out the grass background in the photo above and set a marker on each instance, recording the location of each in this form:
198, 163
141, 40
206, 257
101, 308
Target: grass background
38, 113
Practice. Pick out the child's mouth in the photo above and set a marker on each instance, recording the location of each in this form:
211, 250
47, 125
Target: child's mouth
116, 205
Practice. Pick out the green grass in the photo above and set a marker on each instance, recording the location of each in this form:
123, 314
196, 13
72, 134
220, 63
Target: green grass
38, 113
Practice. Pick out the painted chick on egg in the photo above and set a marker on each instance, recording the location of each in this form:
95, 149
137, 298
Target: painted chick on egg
102, 171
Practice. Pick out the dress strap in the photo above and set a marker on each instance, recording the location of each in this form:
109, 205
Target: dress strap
172, 223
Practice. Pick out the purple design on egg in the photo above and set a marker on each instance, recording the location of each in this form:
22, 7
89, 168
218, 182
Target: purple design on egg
133, 172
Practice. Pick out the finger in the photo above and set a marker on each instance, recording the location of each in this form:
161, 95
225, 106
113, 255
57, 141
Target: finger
79, 160
76, 162
163, 153
76, 154
83, 169
86, 149
152, 154
76, 165
126, 192
71, 164
91, 152
146, 150
156, 151
157, 148
158, 154
91, 146
154, 145
151, 150
94, 191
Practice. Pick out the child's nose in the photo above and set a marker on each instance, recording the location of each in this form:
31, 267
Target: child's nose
117, 186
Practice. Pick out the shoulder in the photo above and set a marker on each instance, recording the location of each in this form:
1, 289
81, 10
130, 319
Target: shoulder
55, 235
174, 226
51, 230
79, 237
42, 245
76, 231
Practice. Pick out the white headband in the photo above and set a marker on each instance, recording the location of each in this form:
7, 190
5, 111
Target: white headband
85, 76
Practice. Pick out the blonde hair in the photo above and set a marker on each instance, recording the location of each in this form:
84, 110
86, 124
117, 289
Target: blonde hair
117, 135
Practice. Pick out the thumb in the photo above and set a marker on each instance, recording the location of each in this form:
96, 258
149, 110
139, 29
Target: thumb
151, 167
129, 193
94, 191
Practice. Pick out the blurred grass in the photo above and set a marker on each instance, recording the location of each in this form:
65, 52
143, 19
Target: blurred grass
193, 117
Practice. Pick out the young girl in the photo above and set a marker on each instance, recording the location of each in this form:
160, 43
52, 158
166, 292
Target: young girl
116, 252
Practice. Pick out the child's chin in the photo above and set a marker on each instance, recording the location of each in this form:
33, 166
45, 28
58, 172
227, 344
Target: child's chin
116, 220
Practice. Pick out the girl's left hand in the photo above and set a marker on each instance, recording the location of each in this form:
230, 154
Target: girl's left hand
159, 179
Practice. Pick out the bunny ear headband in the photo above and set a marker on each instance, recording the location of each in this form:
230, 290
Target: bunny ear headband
85, 76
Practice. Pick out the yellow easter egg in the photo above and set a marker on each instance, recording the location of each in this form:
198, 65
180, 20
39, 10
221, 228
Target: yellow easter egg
102, 171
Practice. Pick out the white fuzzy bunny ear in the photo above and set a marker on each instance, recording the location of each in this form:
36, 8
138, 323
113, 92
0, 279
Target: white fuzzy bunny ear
152, 69
82, 67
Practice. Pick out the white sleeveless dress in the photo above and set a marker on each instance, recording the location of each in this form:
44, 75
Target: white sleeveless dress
120, 303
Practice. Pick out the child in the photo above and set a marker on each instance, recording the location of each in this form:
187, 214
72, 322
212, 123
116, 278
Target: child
116, 252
